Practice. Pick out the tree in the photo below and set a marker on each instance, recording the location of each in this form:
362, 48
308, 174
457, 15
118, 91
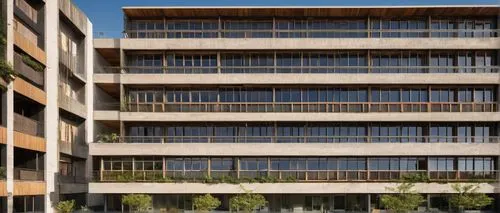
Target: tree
248, 201
66, 206
403, 200
468, 197
137, 202
206, 203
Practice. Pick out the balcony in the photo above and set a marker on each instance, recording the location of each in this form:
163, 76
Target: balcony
74, 14
28, 72
235, 177
71, 62
310, 33
78, 148
72, 105
28, 126
29, 90
312, 107
27, 41
22, 188
297, 69
24, 174
302, 139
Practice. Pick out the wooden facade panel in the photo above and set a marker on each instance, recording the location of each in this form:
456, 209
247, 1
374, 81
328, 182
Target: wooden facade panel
29, 188
3, 188
30, 142
3, 135
27, 46
24, 88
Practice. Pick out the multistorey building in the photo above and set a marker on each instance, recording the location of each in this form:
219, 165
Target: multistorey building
317, 108
44, 112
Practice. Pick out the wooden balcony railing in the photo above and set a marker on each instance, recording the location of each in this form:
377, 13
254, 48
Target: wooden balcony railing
296, 69
330, 107
305, 139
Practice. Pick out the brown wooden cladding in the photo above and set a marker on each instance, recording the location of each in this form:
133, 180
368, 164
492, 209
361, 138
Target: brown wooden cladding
30, 142
29, 188
3, 135
30, 48
177, 12
3, 188
24, 88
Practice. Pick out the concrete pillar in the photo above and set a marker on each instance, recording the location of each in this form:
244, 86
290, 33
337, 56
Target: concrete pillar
8, 99
89, 92
51, 109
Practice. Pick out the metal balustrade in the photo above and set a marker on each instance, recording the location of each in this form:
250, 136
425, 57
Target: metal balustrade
295, 69
329, 107
305, 139
290, 175
312, 33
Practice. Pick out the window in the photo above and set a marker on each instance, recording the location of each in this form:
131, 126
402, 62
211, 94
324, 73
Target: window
247, 29
398, 28
441, 164
253, 164
463, 27
320, 28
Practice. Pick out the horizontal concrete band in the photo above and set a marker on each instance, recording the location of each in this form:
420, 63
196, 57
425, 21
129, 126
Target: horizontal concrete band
268, 188
298, 43
72, 188
310, 117
295, 149
311, 79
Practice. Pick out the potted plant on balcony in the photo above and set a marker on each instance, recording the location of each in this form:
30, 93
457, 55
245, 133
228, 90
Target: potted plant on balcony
7, 72
247, 202
108, 138
468, 199
32, 63
137, 202
205, 203
66, 206
404, 199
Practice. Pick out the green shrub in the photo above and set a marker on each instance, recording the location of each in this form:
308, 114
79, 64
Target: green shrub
467, 197
415, 178
248, 201
66, 206
404, 199
33, 64
137, 202
205, 202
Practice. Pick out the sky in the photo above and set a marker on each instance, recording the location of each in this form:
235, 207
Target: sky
107, 18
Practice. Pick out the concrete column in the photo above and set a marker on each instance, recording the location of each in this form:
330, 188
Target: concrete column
51, 109
8, 99
89, 92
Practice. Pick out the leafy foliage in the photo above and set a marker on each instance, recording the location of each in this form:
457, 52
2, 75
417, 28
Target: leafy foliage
404, 200
205, 202
137, 202
33, 64
248, 201
415, 178
66, 206
108, 138
467, 197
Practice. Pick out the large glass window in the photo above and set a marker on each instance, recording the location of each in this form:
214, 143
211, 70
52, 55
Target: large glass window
398, 62
394, 28
247, 29
321, 29
191, 63
463, 27
192, 28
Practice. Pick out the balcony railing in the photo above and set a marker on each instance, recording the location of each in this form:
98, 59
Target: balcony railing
28, 174
71, 62
305, 139
296, 107
29, 73
28, 126
313, 33
72, 179
71, 104
297, 69
289, 175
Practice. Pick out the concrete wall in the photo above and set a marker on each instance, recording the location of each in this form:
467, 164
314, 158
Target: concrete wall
299, 43
296, 149
291, 79
268, 188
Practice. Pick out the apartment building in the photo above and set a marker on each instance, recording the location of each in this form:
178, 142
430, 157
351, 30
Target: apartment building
317, 108
44, 111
